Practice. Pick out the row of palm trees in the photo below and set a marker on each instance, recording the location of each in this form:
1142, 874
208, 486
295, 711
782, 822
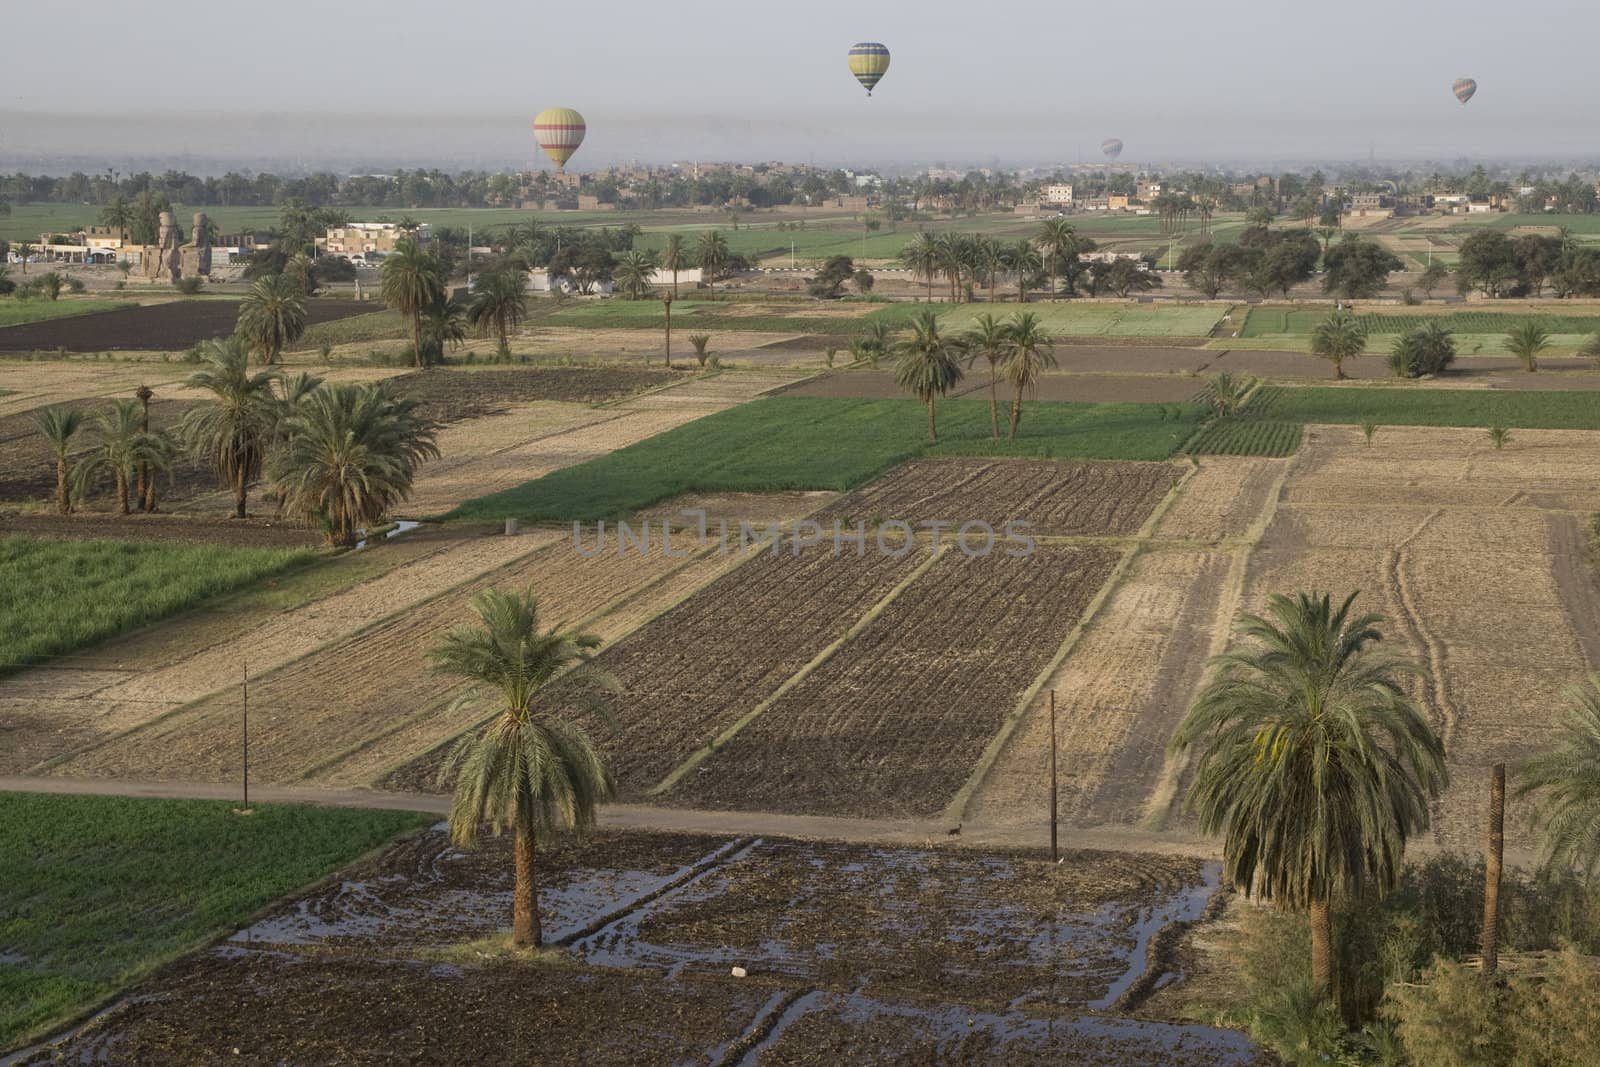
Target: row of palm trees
964, 259
635, 273
1343, 336
338, 455
928, 363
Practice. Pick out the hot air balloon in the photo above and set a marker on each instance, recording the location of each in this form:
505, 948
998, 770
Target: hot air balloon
560, 131
1464, 88
869, 61
1112, 148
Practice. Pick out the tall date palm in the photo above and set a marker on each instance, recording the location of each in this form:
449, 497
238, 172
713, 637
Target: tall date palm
929, 364
232, 431
525, 773
1566, 780
991, 340
272, 315
59, 424
499, 302
412, 282
1316, 765
1030, 352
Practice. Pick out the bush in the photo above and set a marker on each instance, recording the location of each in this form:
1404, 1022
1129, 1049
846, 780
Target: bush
74, 285
1422, 350
1452, 1019
1299, 1027
700, 340
189, 286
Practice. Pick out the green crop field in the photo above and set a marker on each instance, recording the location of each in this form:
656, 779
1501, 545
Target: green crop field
789, 443
376, 326
1403, 406
1271, 322
56, 596
15, 312
1108, 320
1246, 437
99, 891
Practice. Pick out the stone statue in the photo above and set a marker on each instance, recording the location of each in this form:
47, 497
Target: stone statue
166, 255
201, 236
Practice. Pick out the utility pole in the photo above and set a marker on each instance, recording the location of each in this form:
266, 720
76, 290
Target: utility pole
1055, 851
469, 257
1491, 869
244, 691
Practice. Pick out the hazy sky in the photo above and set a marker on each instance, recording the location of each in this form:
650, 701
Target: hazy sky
456, 82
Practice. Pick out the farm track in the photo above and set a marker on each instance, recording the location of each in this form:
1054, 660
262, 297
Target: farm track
325, 703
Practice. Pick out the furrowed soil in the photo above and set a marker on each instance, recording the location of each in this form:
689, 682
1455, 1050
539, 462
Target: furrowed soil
1474, 558
451, 395
316, 712
168, 327
894, 722
691, 673
68, 704
1054, 498
944, 954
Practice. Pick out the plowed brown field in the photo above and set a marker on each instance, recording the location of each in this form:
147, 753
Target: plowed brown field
1055, 498
893, 722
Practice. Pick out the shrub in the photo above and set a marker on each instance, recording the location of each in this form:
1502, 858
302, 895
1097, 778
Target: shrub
1299, 1026
1498, 436
829, 354
188, 286
1453, 1018
700, 340
75, 285
1422, 350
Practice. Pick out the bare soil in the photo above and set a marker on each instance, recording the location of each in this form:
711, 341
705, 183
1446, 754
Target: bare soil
169, 327
944, 955
452, 395
1057, 498
894, 722
28, 469
161, 527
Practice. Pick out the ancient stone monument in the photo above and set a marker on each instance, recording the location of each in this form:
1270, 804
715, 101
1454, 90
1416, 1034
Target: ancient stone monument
165, 257
197, 253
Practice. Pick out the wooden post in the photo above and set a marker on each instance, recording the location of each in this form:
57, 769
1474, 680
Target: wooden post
1055, 851
244, 690
666, 301
1492, 869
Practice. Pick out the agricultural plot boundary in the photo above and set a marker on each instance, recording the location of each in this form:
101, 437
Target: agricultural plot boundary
955, 811
281, 668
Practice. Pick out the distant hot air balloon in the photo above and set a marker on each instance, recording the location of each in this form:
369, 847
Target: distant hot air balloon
1464, 88
560, 131
869, 61
1112, 148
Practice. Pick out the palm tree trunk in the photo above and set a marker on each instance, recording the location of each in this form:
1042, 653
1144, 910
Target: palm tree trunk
1491, 871
994, 408
669, 335
1016, 413
63, 500
525, 928
1338, 370
933, 433
929, 279
416, 341
1321, 948
122, 491
239, 490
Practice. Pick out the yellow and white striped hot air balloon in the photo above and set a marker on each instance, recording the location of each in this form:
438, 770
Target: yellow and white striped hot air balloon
560, 131
869, 61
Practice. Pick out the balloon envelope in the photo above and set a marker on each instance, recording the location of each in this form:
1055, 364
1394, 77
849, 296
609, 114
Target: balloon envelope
1464, 88
869, 61
1112, 148
560, 131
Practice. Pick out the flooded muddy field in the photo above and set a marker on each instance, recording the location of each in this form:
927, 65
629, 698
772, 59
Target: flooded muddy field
851, 952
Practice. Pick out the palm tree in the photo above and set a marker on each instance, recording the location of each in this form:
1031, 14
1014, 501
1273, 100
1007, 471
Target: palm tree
1317, 765
1032, 352
499, 302
59, 424
989, 256
1056, 238
272, 315
412, 282
444, 326
992, 341
950, 256
350, 453
635, 272
1339, 337
23, 250
1025, 260
233, 431
123, 446
1567, 779
118, 216
921, 257
674, 258
1526, 340
711, 254
929, 365
525, 773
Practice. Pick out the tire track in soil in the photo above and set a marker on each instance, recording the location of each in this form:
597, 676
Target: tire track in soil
1435, 687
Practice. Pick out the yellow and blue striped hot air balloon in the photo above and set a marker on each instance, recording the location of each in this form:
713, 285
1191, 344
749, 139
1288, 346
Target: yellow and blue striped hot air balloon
560, 131
869, 62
